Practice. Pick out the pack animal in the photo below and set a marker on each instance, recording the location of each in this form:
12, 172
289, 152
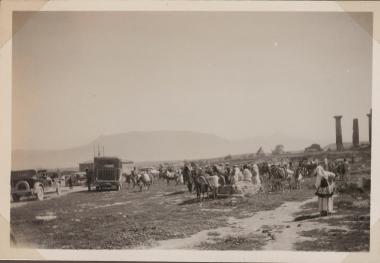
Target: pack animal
144, 180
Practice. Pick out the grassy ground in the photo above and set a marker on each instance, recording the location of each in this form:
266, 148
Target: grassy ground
352, 206
246, 242
126, 219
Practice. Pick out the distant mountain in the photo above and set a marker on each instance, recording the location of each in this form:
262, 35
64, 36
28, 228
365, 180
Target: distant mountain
154, 146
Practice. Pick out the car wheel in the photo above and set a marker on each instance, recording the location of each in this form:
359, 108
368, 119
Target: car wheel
40, 193
15, 198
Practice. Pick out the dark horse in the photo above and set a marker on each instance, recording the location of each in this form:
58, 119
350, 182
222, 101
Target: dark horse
339, 169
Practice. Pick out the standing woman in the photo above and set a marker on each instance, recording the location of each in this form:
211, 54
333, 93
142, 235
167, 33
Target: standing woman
323, 192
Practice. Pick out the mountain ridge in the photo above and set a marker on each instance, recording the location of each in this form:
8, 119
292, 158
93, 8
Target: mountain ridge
154, 146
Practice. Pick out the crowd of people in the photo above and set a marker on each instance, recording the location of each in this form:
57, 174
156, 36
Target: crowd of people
265, 175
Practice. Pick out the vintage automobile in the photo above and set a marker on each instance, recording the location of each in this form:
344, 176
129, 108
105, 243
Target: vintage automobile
110, 172
32, 183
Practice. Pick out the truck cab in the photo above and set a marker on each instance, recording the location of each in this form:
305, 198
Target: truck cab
108, 173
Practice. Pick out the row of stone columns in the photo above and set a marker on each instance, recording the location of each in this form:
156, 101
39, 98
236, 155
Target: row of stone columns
355, 132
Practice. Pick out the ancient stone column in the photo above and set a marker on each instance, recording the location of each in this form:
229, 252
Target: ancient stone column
355, 133
370, 126
338, 131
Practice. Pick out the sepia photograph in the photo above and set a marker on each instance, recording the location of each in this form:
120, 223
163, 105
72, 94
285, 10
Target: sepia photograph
191, 130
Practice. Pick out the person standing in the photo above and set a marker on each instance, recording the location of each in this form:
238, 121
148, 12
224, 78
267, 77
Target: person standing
247, 174
346, 170
324, 190
326, 164
70, 181
228, 174
331, 182
88, 176
235, 177
256, 177
214, 184
290, 165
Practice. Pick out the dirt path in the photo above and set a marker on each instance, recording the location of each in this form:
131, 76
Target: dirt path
277, 227
64, 191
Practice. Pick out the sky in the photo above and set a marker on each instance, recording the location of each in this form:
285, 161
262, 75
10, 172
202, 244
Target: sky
79, 75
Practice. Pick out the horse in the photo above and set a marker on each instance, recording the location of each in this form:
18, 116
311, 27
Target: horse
264, 171
170, 176
201, 186
298, 176
276, 177
161, 173
339, 169
144, 180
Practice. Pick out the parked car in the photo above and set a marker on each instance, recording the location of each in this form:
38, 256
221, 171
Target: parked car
32, 183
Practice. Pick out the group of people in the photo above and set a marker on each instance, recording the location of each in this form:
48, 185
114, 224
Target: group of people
217, 176
325, 173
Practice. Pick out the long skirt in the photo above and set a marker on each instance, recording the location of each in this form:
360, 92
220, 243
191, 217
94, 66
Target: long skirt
326, 204
330, 205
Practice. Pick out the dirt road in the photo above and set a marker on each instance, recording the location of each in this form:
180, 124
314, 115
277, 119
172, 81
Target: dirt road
64, 191
276, 226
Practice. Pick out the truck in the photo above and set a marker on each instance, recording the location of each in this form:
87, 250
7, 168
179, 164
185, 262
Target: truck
110, 172
33, 182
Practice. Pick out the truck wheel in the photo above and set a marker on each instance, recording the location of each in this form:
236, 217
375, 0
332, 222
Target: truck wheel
15, 198
39, 192
22, 185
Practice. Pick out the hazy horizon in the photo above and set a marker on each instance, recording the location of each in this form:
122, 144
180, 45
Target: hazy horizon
236, 75
322, 143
